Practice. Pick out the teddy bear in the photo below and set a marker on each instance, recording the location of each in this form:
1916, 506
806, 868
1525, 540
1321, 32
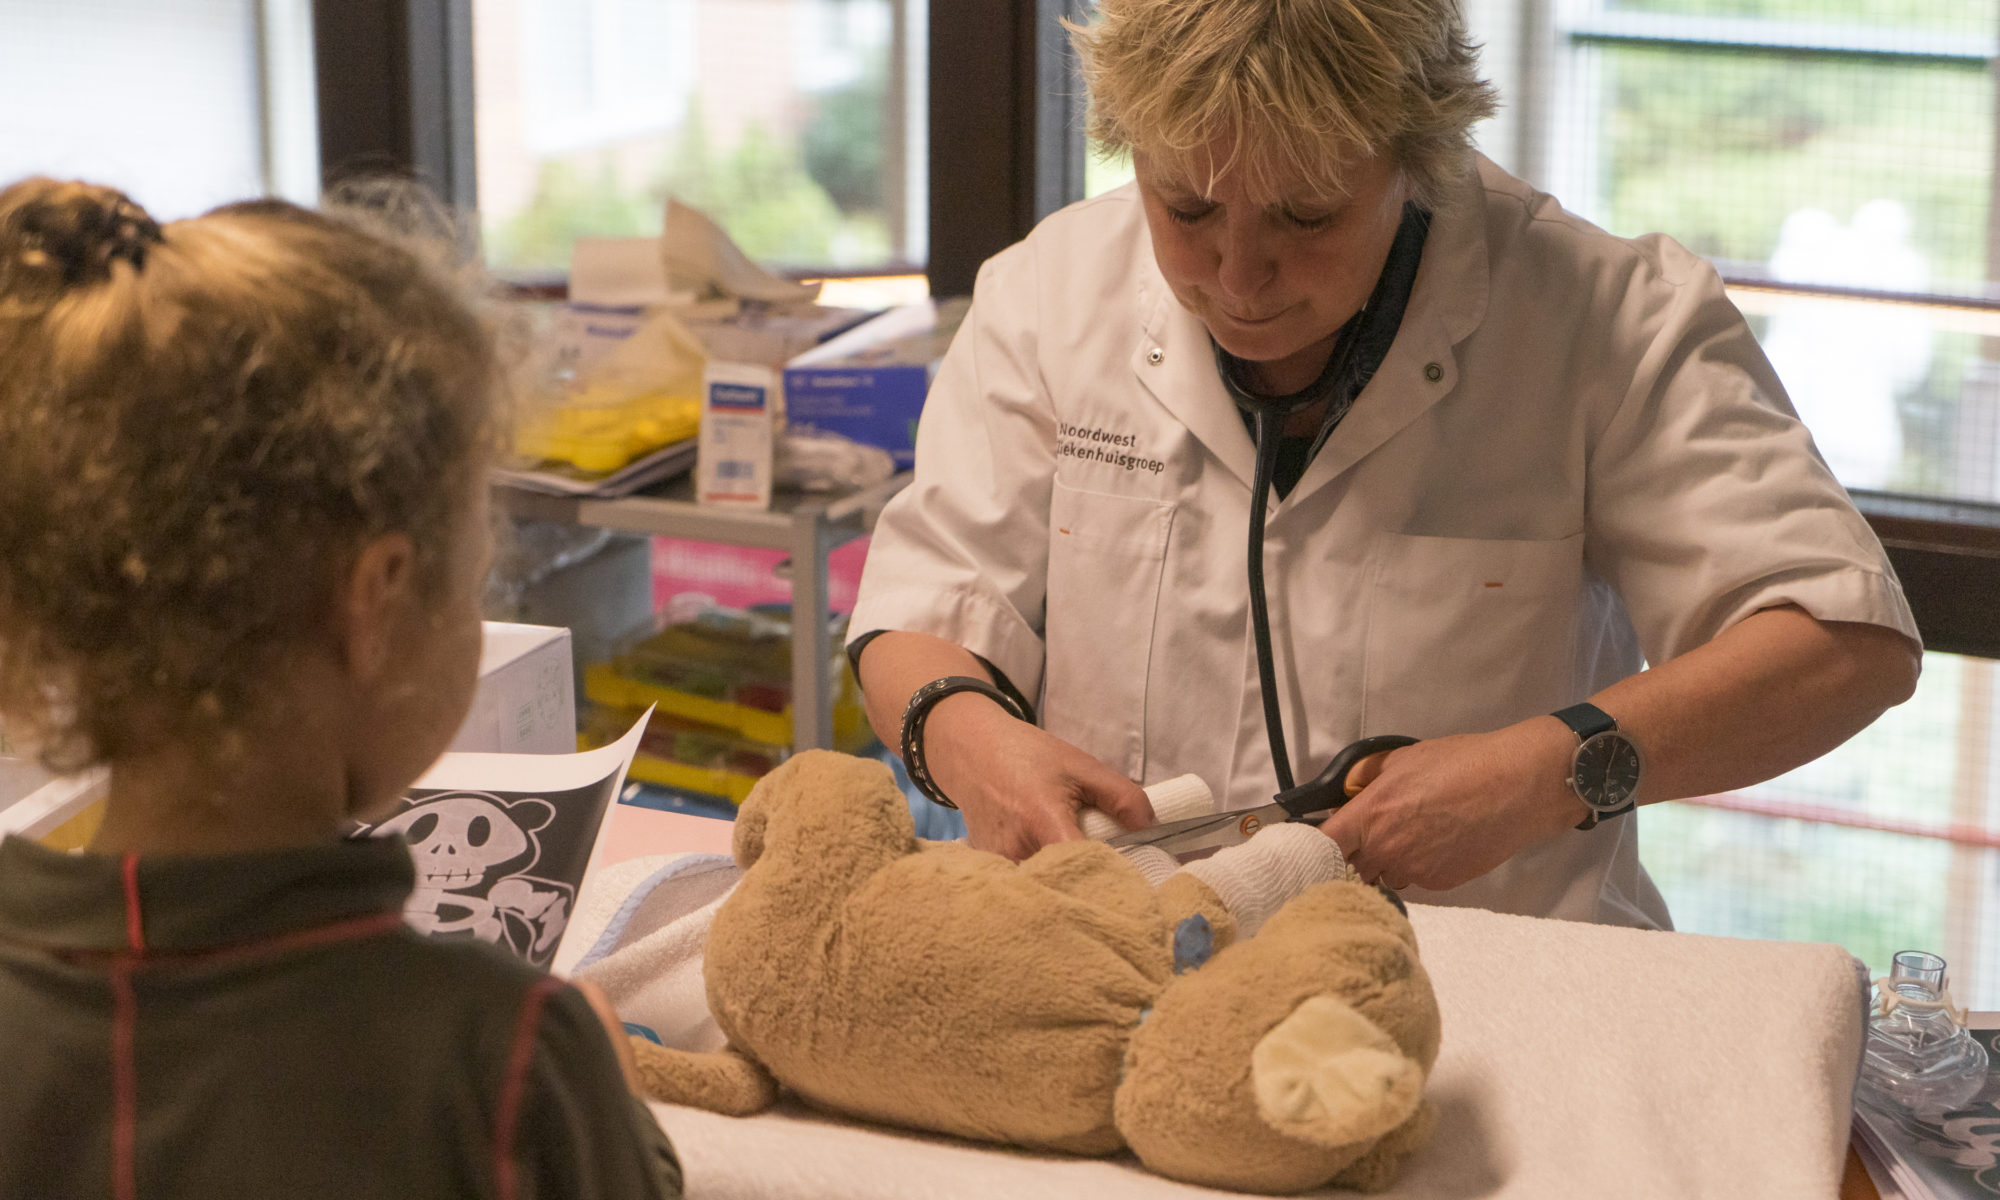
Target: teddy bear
1258, 1020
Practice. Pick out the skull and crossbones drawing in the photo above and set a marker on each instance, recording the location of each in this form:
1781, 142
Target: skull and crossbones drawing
462, 843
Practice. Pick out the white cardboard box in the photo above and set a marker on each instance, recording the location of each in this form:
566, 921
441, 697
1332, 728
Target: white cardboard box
525, 704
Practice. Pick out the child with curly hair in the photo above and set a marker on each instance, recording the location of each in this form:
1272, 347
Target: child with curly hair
243, 535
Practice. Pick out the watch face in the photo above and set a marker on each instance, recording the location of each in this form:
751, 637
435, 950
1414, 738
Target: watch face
1607, 771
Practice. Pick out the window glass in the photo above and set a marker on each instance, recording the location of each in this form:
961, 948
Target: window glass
185, 104
796, 124
1886, 844
1815, 150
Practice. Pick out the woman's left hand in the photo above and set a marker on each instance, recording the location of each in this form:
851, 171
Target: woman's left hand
1447, 810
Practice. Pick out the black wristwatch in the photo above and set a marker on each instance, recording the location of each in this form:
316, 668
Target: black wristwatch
1604, 771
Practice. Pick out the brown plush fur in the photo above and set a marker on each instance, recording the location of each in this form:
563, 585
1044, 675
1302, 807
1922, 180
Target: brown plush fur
937, 987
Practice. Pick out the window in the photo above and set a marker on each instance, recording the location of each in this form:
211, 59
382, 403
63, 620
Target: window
1828, 155
1889, 843
184, 104
797, 124
1835, 159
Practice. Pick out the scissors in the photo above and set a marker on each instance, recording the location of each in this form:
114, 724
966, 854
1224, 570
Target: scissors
1311, 802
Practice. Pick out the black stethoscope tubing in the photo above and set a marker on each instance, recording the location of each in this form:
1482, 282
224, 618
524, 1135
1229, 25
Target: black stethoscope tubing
1338, 384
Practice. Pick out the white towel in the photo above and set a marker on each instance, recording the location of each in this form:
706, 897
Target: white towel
644, 922
1578, 1060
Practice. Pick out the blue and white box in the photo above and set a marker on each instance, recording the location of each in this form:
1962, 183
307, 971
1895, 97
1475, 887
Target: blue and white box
868, 384
739, 412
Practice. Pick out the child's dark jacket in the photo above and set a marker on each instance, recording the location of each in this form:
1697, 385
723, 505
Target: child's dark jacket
264, 1024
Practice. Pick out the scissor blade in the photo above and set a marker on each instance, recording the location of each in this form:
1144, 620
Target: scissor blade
1202, 833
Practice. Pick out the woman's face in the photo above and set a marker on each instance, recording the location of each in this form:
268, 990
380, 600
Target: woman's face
1273, 277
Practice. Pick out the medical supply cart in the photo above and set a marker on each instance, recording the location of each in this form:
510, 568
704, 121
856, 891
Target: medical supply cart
806, 526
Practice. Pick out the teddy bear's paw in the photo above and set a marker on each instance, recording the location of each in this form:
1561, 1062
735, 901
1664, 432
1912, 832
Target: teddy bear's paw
725, 1081
1330, 1076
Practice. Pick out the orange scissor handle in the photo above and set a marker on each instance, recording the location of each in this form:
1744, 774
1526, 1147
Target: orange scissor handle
1332, 788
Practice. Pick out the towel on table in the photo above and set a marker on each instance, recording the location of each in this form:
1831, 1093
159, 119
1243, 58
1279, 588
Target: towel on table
1578, 1060
643, 923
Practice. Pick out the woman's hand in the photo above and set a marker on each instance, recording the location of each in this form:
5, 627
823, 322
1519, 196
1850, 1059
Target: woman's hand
1447, 810
1018, 786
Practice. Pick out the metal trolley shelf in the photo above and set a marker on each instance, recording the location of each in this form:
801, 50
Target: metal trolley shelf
807, 526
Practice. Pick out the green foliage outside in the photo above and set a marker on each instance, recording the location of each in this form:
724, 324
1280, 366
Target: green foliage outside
572, 199
759, 191
816, 201
1717, 148
845, 144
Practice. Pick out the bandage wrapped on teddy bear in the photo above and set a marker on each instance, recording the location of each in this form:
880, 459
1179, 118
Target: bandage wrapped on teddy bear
1067, 1002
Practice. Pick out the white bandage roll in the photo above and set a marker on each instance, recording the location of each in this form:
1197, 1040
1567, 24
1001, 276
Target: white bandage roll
1255, 878
1173, 800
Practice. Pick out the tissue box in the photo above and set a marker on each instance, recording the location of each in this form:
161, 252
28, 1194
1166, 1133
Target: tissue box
869, 383
526, 701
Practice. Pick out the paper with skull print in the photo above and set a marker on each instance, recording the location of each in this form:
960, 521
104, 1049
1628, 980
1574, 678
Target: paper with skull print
501, 842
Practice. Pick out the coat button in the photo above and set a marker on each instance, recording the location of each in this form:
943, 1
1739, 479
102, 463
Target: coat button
1433, 372
1156, 356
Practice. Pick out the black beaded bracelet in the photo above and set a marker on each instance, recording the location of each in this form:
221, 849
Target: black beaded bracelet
921, 702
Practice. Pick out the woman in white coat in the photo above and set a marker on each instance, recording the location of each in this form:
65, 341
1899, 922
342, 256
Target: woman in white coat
1513, 459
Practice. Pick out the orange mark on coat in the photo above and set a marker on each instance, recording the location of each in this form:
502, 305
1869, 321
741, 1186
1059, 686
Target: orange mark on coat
1492, 583
1060, 529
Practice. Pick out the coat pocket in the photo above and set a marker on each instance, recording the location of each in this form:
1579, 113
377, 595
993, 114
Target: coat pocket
1466, 635
1107, 555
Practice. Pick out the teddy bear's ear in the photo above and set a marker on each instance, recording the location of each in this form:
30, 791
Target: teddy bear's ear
1330, 1076
769, 793
747, 840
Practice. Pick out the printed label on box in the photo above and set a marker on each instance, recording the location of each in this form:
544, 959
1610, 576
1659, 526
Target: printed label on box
734, 464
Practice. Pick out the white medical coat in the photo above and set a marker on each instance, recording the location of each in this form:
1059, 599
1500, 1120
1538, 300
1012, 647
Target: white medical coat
1573, 456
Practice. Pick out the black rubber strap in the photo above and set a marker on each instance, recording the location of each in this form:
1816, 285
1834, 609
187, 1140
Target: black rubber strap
922, 701
1587, 720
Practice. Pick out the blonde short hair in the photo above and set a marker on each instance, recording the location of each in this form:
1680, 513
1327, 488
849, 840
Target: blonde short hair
1298, 88
200, 425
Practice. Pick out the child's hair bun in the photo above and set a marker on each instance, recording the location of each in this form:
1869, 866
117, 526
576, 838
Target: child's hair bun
63, 235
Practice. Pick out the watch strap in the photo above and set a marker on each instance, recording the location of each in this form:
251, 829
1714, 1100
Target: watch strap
922, 701
1587, 720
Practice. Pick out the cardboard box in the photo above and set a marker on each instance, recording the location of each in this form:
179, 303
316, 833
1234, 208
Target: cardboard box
869, 383
525, 704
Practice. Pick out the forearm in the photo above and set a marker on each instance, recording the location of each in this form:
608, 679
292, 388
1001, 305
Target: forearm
1774, 691
896, 664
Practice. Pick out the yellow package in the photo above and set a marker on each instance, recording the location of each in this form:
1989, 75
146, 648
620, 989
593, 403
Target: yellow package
623, 403
600, 431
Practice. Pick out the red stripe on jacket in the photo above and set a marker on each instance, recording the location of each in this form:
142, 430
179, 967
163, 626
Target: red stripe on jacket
514, 1085
124, 1035
125, 1005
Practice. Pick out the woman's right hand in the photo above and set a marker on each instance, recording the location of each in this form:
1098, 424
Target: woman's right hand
1018, 786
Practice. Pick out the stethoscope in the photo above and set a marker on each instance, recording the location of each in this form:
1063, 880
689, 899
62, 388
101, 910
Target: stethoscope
1359, 348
